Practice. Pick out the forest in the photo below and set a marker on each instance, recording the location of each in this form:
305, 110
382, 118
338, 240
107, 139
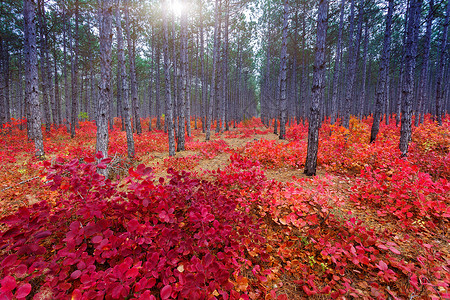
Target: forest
224, 149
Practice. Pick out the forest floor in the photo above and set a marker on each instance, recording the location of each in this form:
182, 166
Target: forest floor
368, 225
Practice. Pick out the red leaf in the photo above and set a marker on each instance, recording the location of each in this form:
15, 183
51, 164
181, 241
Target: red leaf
99, 155
116, 291
8, 284
76, 294
382, 266
326, 290
151, 283
75, 274
97, 239
23, 290
42, 234
9, 260
395, 250
308, 291
132, 273
166, 292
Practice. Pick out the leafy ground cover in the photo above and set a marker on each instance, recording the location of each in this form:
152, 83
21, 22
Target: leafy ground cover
233, 218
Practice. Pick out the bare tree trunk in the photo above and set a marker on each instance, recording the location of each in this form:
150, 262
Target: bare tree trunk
157, 98
317, 90
74, 116
441, 65
183, 93
44, 65
362, 97
337, 67
408, 86
3, 79
58, 119
402, 68
120, 64
188, 100
214, 71
132, 58
224, 75
151, 80
105, 82
283, 100
351, 66
383, 74
126, 119
169, 115
31, 76
424, 72
66, 85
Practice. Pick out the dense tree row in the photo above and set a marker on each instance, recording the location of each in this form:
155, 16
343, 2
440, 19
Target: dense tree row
381, 58
75, 39
367, 52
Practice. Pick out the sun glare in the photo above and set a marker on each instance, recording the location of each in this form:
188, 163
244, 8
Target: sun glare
177, 7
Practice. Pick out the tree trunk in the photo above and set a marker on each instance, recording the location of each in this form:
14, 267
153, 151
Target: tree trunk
131, 42
2, 85
362, 97
44, 64
383, 74
408, 86
214, 71
124, 84
351, 66
31, 76
224, 75
120, 64
183, 93
424, 72
105, 82
441, 65
203, 73
283, 100
317, 90
337, 67
66, 85
74, 116
169, 115
58, 120
157, 98
151, 81
188, 100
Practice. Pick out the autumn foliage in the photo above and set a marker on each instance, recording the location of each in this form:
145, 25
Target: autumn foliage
374, 225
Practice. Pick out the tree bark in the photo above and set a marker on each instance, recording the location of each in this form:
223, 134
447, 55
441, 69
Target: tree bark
44, 65
132, 59
214, 71
383, 75
183, 93
31, 75
283, 100
317, 90
362, 97
225, 66
351, 66
124, 84
169, 115
441, 65
74, 116
424, 72
105, 82
337, 67
203, 73
408, 86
